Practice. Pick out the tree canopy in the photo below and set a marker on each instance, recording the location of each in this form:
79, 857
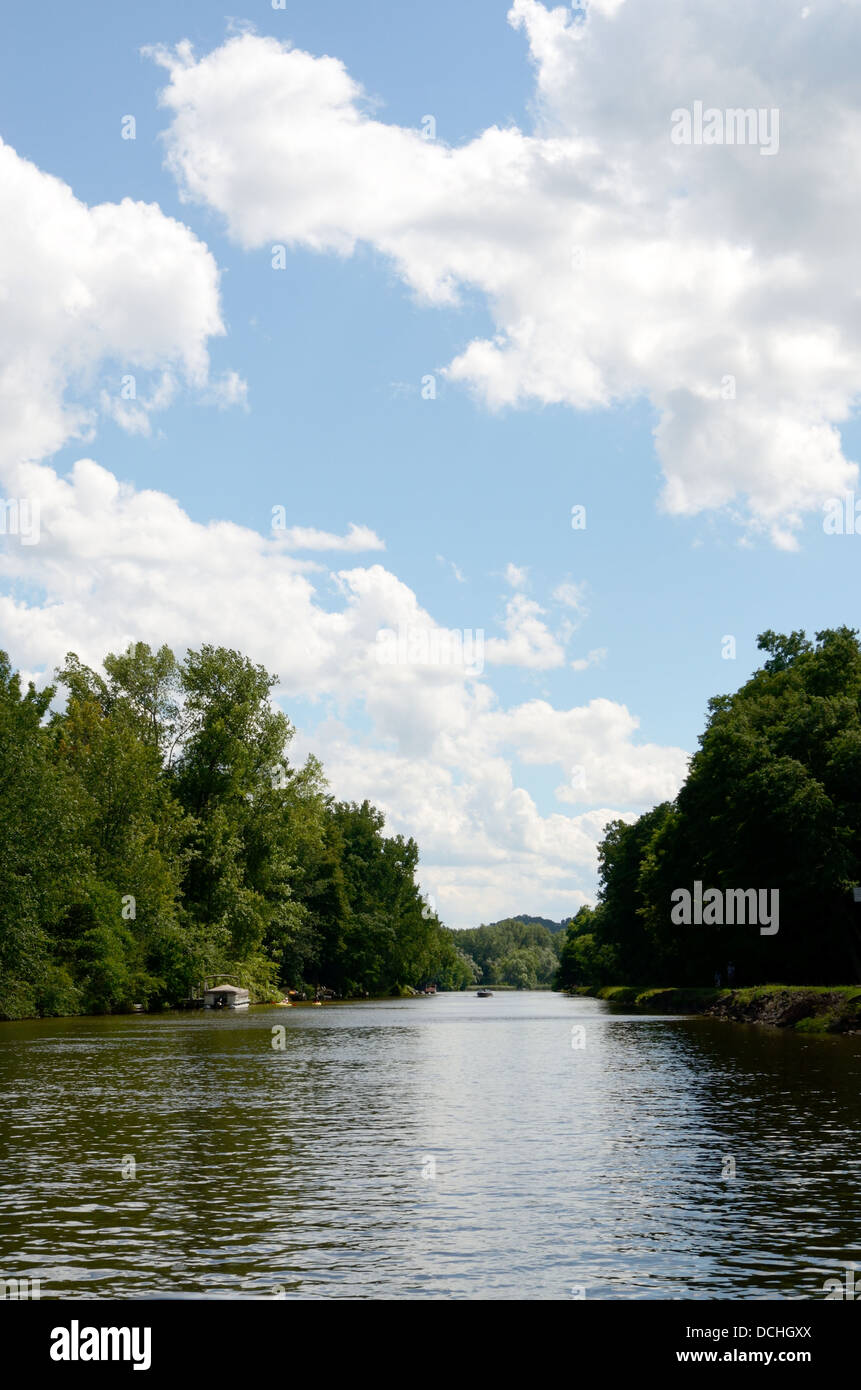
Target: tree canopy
154, 831
772, 801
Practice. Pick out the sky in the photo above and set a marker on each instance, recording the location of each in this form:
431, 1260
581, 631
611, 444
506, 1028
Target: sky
355, 335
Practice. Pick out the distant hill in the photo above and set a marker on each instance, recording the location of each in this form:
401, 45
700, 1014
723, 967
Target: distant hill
535, 921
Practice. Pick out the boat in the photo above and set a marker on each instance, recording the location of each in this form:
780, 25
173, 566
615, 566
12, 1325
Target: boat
483, 994
225, 997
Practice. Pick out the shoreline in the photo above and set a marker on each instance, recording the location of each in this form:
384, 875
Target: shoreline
185, 1007
803, 1008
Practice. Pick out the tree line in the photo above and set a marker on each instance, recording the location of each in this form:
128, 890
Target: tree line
153, 832
772, 801
522, 953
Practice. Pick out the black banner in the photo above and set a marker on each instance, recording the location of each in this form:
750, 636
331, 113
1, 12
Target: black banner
249, 1337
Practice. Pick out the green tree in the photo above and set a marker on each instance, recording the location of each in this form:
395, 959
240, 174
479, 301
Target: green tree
772, 801
41, 858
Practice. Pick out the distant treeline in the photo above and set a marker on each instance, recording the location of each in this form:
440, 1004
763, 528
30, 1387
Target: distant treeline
518, 951
154, 832
772, 802
537, 921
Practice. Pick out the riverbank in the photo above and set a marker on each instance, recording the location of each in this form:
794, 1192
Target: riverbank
804, 1008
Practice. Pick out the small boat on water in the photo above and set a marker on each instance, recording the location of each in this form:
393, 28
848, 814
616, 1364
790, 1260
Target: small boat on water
483, 994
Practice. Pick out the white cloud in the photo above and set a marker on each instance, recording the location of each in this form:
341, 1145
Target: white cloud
455, 569
228, 391
516, 576
308, 538
90, 296
133, 414
572, 596
593, 658
597, 738
529, 642
615, 263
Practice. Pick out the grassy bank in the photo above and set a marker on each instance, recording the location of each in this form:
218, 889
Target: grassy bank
805, 1008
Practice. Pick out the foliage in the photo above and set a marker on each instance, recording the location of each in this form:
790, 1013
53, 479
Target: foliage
515, 952
154, 832
772, 801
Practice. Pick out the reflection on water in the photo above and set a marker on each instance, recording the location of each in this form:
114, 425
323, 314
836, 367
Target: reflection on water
447, 1147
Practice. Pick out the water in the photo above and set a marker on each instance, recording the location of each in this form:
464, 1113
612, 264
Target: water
447, 1147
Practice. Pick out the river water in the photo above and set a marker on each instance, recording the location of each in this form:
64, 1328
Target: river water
447, 1147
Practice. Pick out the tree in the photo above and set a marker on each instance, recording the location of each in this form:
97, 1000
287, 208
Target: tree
41, 855
772, 801
132, 837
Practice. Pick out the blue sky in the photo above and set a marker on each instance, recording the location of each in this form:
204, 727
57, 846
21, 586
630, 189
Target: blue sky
333, 425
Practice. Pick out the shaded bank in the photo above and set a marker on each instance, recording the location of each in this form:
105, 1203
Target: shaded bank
807, 1009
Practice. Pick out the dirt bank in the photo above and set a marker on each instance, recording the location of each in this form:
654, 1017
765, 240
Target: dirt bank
805, 1008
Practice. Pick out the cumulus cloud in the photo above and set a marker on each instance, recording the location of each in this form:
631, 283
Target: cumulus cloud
105, 307
486, 849
615, 262
598, 739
